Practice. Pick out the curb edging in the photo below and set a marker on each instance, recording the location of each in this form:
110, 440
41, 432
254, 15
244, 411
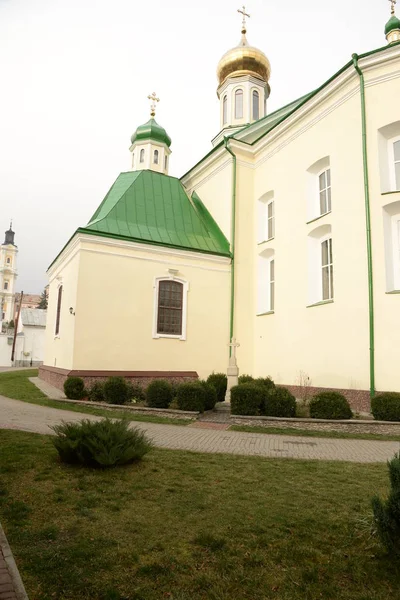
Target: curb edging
5, 549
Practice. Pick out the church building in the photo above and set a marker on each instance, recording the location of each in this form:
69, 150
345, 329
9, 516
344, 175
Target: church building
285, 237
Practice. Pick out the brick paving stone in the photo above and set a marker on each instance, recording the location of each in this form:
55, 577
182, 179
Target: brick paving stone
15, 414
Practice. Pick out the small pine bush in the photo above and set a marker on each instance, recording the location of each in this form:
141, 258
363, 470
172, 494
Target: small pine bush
210, 397
100, 444
191, 396
266, 383
159, 394
135, 392
280, 403
220, 382
74, 388
330, 405
96, 392
386, 407
387, 512
245, 379
116, 390
247, 399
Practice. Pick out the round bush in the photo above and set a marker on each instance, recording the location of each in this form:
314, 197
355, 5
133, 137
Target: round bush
330, 405
96, 392
136, 392
247, 399
116, 390
245, 379
159, 394
74, 388
386, 407
220, 382
280, 403
211, 396
100, 444
191, 396
266, 383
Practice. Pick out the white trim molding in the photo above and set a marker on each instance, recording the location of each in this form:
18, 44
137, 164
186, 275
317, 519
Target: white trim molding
185, 291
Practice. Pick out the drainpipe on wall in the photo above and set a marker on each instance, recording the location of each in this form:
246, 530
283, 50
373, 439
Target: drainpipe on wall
368, 229
233, 235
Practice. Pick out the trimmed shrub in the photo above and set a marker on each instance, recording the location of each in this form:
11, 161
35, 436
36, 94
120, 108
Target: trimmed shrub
245, 379
387, 512
96, 392
74, 388
266, 383
247, 399
220, 382
191, 396
386, 407
116, 390
279, 403
135, 392
330, 405
159, 394
211, 396
100, 444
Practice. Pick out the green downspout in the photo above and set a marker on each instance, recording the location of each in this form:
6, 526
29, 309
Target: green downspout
368, 230
233, 235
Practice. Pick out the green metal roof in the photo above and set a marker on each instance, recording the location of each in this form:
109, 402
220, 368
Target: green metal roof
151, 131
153, 208
393, 23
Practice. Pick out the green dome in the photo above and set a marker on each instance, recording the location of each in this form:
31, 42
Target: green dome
151, 131
393, 23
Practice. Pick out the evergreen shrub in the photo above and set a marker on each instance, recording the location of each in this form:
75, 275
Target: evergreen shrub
159, 394
136, 392
210, 395
96, 392
191, 396
266, 383
330, 405
247, 399
245, 379
100, 444
74, 388
387, 512
220, 382
279, 403
116, 390
386, 407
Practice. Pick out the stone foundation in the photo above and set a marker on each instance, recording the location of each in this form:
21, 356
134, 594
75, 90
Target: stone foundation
359, 400
56, 377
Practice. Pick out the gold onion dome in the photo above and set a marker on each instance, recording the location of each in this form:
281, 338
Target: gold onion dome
243, 60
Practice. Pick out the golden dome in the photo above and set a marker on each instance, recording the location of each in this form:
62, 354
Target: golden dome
243, 60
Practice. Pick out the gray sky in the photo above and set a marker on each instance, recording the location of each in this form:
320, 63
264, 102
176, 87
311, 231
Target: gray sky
75, 75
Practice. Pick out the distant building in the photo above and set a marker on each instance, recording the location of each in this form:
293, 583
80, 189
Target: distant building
28, 301
8, 275
29, 346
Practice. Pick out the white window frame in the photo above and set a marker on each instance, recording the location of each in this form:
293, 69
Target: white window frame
270, 220
265, 285
142, 155
391, 221
156, 155
8, 260
328, 187
315, 239
329, 267
165, 162
313, 192
185, 291
5, 285
225, 109
263, 220
235, 94
253, 92
394, 186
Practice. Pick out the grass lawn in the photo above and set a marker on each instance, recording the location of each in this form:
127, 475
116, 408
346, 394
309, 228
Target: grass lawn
186, 526
17, 385
319, 434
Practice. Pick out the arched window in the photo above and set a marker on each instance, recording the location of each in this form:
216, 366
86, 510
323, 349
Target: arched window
320, 265
256, 105
170, 307
155, 158
327, 269
142, 155
239, 104
166, 163
60, 289
8, 260
266, 282
225, 109
133, 159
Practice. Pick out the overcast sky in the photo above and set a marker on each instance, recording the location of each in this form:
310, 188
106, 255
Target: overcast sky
74, 80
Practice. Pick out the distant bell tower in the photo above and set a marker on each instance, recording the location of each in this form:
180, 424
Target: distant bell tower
8, 276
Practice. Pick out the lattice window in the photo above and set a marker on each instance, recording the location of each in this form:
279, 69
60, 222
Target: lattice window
170, 308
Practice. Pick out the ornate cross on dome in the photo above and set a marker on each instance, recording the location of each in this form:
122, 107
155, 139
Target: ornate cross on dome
153, 99
245, 14
393, 3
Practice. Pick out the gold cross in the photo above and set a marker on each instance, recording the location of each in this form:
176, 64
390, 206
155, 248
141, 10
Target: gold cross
393, 3
245, 14
153, 99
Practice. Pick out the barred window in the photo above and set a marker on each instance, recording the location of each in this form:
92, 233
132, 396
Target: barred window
60, 289
170, 307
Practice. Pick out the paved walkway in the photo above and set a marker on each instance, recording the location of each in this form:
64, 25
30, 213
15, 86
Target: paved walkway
15, 414
11, 586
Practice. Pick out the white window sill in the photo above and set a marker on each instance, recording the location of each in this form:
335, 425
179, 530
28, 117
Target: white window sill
390, 192
265, 241
393, 292
320, 303
171, 337
56, 337
264, 314
319, 217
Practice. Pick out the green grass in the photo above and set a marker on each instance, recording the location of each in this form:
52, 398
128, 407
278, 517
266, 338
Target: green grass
16, 385
186, 526
318, 434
